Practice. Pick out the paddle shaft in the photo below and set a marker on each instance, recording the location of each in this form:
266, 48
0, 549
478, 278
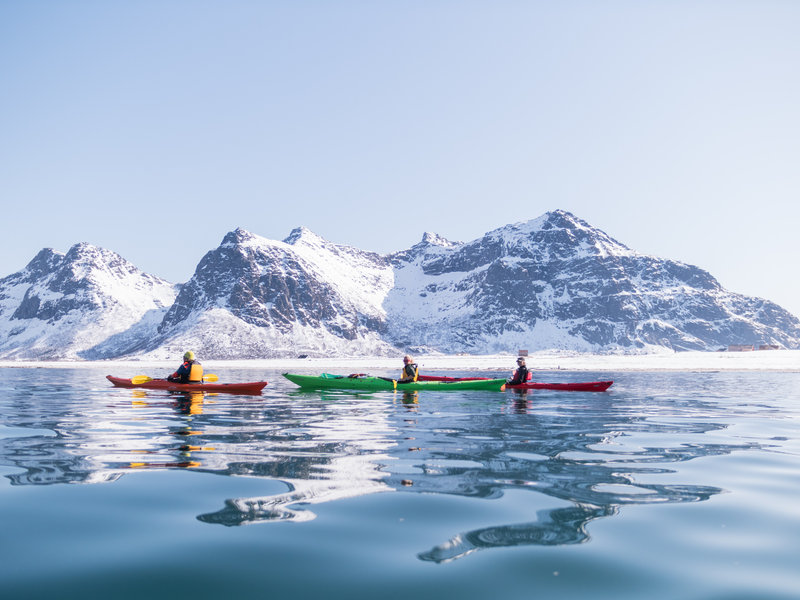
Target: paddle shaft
139, 379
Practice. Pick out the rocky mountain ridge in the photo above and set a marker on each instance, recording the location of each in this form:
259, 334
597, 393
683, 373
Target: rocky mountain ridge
553, 282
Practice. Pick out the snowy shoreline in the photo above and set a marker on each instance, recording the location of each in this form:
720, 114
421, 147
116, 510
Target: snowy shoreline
764, 360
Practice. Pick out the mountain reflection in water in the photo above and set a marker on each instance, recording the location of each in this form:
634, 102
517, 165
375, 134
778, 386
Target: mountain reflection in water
595, 452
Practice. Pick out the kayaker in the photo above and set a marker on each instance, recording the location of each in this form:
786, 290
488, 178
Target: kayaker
521, 375
410, 370
191, 371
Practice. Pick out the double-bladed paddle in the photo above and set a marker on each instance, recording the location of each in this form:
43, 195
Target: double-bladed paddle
139, 379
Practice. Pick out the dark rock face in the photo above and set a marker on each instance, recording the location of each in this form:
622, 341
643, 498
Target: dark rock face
273, 286
260, 287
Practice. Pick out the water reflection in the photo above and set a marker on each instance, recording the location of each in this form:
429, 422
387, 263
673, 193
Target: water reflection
521, 401
93, 443
555, 527
596, 453
587, 455
344, 477
188, 404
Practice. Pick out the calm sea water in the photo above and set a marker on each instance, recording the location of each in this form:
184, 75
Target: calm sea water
670, 485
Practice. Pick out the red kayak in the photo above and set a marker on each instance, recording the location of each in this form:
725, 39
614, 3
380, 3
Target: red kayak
252, 388
585, 386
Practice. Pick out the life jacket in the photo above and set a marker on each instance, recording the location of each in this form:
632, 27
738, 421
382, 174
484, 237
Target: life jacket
404, 374
528, 375
195, 372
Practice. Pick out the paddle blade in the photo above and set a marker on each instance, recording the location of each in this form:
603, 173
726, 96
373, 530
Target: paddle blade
210, 377
140, 379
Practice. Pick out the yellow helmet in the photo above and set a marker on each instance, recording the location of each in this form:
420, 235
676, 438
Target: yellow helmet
189, 355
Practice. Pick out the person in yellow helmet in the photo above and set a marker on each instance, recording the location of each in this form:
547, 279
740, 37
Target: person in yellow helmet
191, 371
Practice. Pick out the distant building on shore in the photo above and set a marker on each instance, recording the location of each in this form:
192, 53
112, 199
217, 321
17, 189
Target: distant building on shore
751, 347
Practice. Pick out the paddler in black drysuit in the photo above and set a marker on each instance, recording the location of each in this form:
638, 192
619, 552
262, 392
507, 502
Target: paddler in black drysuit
521, 375
410, 370
191, 371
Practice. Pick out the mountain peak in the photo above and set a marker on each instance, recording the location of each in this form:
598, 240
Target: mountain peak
303, 234
434, 239
86, 252
237, 236
82, 247
563, 219
44, 261
560, 229
554, 219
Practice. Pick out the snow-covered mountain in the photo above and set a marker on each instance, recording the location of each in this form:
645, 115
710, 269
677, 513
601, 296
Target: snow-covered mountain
88, 303
252, 297
556, 282
552, 282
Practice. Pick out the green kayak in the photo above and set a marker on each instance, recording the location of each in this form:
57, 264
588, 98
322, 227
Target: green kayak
345, 382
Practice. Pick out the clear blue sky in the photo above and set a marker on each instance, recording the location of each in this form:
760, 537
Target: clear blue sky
154, 127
